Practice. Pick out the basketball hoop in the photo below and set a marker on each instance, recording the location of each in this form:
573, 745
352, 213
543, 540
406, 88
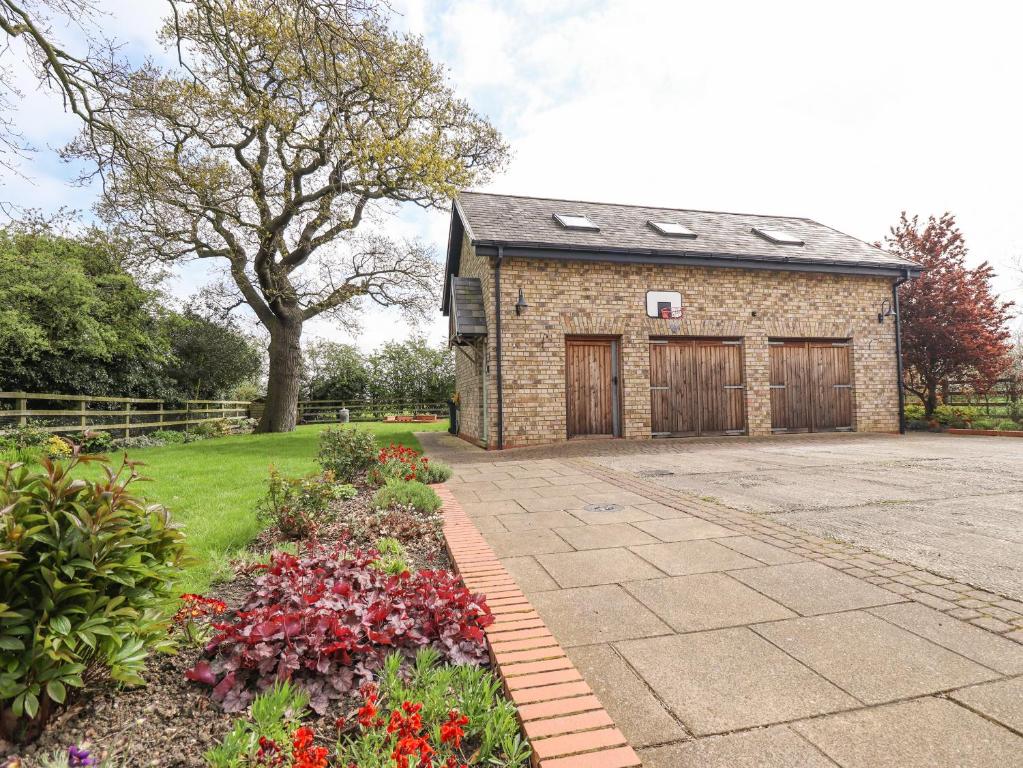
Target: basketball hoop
671, 313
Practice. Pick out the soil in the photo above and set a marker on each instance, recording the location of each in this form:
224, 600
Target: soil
171, 722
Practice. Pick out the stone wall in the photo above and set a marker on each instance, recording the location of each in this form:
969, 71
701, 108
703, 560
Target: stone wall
583, 298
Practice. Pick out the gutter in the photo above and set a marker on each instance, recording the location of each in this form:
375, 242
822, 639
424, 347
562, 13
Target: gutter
497, 311
898, 349
688, 258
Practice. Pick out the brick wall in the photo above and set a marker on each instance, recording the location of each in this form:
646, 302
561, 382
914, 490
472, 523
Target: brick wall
576, 298
471, 374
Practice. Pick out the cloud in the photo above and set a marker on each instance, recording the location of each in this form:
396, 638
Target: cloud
846, 114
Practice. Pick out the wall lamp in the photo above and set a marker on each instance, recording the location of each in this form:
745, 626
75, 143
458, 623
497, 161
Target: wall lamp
521, 305
886, 311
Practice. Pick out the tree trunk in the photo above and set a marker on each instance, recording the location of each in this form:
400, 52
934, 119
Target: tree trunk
282, 385
931, 403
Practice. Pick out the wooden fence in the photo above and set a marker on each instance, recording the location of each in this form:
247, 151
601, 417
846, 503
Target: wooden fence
997, 401
316, 411
76, 413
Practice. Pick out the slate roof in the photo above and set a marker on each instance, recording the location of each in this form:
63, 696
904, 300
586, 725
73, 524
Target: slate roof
468, 316
528, 222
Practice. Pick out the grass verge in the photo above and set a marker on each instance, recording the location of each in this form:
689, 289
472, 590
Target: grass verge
212, 486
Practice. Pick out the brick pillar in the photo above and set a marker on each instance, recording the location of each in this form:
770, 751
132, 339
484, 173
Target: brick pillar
758, 384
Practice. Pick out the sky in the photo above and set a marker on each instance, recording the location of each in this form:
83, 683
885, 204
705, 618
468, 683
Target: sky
843, 113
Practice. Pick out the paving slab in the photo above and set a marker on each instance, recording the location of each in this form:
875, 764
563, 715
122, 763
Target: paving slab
873, 660
761, 550
529, 574
597, 566
536, 542
635, 709
983, 647
1001, 701
604, 536
528, 521
489, 493
489, 508
777, 746
705, 601
601, 614
730, 679
683, 529
680, 558
603, 517
924, 733
662, 511
811, 588
558, 504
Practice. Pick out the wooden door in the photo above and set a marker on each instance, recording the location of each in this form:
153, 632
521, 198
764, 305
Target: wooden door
811, 386
591, 387
696, 387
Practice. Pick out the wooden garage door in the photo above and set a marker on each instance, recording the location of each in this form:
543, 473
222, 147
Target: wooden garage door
811, 386
591, 387
696, 387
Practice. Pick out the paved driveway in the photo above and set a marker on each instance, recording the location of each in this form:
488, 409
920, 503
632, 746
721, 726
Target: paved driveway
718, 637
952, 505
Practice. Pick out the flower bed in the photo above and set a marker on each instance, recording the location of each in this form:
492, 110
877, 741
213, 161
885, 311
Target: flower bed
348, 597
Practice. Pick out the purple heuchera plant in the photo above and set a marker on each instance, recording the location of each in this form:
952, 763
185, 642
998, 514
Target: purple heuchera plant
327, 619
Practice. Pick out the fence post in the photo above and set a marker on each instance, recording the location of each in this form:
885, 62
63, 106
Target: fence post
160, 415
22, 407
127, 419
82, 421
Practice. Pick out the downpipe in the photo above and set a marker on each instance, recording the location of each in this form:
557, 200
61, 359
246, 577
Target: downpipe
497, 311
898, 350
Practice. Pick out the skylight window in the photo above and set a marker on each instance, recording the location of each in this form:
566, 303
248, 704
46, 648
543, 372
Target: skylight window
777, 236
671, 229
575, 221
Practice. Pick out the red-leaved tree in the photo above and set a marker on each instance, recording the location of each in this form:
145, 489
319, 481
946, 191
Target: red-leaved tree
953, 325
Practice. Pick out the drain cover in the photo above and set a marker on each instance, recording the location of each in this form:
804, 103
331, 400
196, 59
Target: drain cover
602, 507
655, 473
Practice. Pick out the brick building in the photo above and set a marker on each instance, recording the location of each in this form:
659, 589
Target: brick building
574, 319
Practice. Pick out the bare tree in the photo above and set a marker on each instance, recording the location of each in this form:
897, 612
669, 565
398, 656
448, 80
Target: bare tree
81, 78
285, 124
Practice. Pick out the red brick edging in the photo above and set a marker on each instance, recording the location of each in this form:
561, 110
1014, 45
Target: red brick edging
563, 719
987, 432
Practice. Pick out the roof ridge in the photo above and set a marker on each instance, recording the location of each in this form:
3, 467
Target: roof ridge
636, 205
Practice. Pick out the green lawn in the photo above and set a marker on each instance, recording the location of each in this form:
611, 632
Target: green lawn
212, 486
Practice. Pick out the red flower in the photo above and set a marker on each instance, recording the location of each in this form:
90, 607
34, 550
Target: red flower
368, 711
452, 729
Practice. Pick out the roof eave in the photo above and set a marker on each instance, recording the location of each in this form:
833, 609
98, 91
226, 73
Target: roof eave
555, 251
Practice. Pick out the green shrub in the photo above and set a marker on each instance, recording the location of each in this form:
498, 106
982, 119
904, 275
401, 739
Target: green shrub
274, 715
489, 733
298, 506
957, 415
392, 556
25, 437
984, 423
168, 436
434, 472
914, 412
86, 568
348, 453
92, 442
1007, 425
211, 428
407, 493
